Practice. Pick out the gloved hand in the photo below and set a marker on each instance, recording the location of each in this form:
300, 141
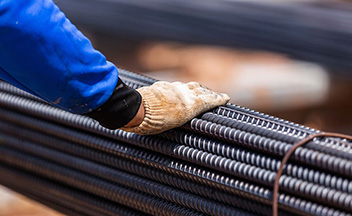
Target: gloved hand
169, 105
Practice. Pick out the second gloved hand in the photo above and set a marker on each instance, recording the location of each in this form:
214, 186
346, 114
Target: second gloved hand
169, 105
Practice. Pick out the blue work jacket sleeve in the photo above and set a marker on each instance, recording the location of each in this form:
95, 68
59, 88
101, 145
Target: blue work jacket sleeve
43, 53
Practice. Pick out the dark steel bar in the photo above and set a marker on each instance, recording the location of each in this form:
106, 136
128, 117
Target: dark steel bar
122, 164
232, 150
87, 183
259, 160
318, 32
149, 187
187, 171
334, 164
68, 198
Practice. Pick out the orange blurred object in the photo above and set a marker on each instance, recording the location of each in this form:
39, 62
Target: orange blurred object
14, 204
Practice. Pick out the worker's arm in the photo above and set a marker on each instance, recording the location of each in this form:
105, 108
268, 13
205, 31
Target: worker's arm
42, 53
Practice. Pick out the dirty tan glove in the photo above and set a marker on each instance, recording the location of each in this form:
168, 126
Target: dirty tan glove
169, 105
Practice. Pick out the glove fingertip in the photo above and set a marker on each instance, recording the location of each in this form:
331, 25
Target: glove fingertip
225, 97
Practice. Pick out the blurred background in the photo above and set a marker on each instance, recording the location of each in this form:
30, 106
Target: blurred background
290, 59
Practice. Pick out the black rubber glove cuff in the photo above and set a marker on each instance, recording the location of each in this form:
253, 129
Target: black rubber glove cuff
120, 109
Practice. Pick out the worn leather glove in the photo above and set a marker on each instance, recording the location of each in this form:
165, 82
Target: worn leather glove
169, 105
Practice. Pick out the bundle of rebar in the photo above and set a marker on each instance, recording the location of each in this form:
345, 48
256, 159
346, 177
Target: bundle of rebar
317, 31
223, 162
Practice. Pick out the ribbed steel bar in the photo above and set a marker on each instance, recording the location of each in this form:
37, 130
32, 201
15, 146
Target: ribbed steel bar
268, 126
275, 130
236, 168
152, 188
243, 155
88, 183
229, 128
246, 171
145, 80
275, 127
259, 160
6, 87
335, 164
307, 156
281, 148
123, 164
264, 120
187, 171
246, 110
67, 197
252, 117
317, 31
